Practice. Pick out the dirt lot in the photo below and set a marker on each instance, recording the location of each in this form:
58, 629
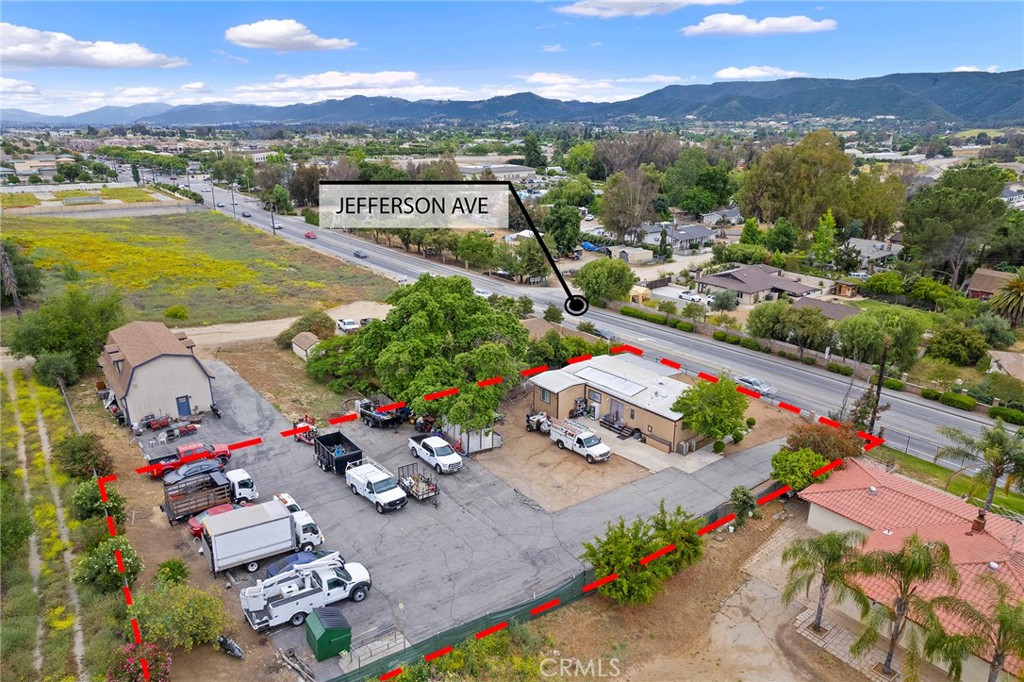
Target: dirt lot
156, 542
772, 423
671, 638
553, 478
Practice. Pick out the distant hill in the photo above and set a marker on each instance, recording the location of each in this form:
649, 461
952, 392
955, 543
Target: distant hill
989, 99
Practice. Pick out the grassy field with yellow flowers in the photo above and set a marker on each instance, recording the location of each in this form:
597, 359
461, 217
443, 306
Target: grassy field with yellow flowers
198, 268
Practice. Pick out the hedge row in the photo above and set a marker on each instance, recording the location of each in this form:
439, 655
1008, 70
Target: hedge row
893, 384
930, 394
719, 336
836, 368
957, 400
1007, 414
657, 318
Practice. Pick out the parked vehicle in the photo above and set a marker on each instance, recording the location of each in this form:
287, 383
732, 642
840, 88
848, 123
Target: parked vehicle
579, 439
334, 451
435, 452
371, 480
755, 384
196, 494
215, 409
229, 646
243, 537
538, 421
306, 436
692, 297
484, 293
368, 412
185, 454
195, 524
288, 501
290, 597
348, 326
416, 484
203, 466
289, 561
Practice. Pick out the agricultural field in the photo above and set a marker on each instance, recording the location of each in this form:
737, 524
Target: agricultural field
208, 267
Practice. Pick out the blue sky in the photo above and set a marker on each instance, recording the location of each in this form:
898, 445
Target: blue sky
63, 58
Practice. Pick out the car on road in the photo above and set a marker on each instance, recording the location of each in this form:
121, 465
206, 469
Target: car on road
755, 384
195, 524
202, 466
692, 297
360, 254
285, 563
604, 334
310, 235
220, 205
482, 292
588, 217
246, 214
402, 279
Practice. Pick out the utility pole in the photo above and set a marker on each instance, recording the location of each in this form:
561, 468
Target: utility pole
233, 200
273, 227
878, 387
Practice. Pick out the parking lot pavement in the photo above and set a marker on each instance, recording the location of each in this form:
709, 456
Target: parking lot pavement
483, 548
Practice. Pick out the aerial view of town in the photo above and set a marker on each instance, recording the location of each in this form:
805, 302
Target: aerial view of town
512, 341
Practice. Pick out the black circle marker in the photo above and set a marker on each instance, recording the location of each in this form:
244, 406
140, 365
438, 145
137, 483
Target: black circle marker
576, 305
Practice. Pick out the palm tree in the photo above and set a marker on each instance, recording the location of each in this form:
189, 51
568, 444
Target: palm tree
998, 452
904, 571
832, 557
9, 281
1009, 300
996, 631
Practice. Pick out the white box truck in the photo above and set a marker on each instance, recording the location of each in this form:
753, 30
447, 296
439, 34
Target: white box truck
244, 536
579, 439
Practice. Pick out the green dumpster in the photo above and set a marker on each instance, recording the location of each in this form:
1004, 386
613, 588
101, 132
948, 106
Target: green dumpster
328, 632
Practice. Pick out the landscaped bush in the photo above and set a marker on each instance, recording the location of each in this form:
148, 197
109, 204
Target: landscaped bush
99, 567
734, 340
750, 422
796, 468
718, 447
171, 572
837, 368
827, 441
176, 312
788, 355
657, 318
960, 402
87, 503
83, 456
808, 360
179, 616
743, 504
1007, 414
930, 394
893, 384
751, 344
126, 667
719, 336
684, 326
737, 436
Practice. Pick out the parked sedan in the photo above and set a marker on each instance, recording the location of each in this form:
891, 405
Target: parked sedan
755, 384
691, 296
195, 524
285, 563
202, 466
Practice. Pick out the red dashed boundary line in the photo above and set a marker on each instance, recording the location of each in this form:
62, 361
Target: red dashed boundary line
872, 442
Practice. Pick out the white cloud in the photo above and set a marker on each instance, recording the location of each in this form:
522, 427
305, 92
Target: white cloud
228, 57
283, 35
24, 46
967, 69
597, 44
197, 86
608, 9
552, 48
756, 72
742, 25
13, 86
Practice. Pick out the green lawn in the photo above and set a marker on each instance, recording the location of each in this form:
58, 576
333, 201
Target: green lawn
218, 268
939, 477
129, 195
930, 320
18, 200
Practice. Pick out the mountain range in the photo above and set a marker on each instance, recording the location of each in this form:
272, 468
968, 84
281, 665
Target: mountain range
990, 99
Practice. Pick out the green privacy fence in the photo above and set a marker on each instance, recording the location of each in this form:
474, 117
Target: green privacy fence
566, 593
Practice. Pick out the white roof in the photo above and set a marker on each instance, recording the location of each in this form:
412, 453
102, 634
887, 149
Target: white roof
244, 517
556, 380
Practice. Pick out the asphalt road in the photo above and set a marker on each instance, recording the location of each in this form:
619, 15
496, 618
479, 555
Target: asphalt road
910, 424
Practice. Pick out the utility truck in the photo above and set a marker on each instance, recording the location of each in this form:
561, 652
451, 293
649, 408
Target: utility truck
334, 451
371, 480
189, 496
436, 452
245, 536
571, 435
289, 597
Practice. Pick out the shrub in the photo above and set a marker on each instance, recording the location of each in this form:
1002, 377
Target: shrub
893, 384
751, 344
787, 355
831, 443
99, 567
176, 312
960, 402
684, 326
957, 344
930, 394
750, 422
86, 503
719, 336
126, 668
317, 322
82, 456
837, 368
179, 616
743, 503
50, 368
734, 340
718, 447
808, 360
88, 534
737, 436
795, 467
171, 572
657, 318
1007, 414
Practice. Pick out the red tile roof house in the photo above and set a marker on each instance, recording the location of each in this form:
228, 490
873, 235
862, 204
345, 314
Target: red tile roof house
889, 508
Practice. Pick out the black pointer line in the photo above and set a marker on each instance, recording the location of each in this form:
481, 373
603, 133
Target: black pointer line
543, 246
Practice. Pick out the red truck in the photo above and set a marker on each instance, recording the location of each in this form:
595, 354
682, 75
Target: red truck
182, 454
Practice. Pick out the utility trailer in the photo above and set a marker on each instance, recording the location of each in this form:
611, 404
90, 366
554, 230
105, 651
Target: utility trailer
418, 485
374, 418
334, 451
189, 496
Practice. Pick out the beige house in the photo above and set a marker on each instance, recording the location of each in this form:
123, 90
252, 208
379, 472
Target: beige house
626, 393
303, 343
151, 370
1007, 363
634, 255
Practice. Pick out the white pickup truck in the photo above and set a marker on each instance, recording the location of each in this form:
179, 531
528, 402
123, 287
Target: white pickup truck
436, 452
579, 439
371, 480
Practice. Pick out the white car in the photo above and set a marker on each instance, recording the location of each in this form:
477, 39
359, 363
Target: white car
482, 292
755, 384
692, 297
348, 325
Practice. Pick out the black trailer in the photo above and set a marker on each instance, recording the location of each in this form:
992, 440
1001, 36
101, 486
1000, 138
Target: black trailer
333, 452
374, 418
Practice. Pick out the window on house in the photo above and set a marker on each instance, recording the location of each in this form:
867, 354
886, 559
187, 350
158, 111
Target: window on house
545, 395
593, 396
117, 366
632, 413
